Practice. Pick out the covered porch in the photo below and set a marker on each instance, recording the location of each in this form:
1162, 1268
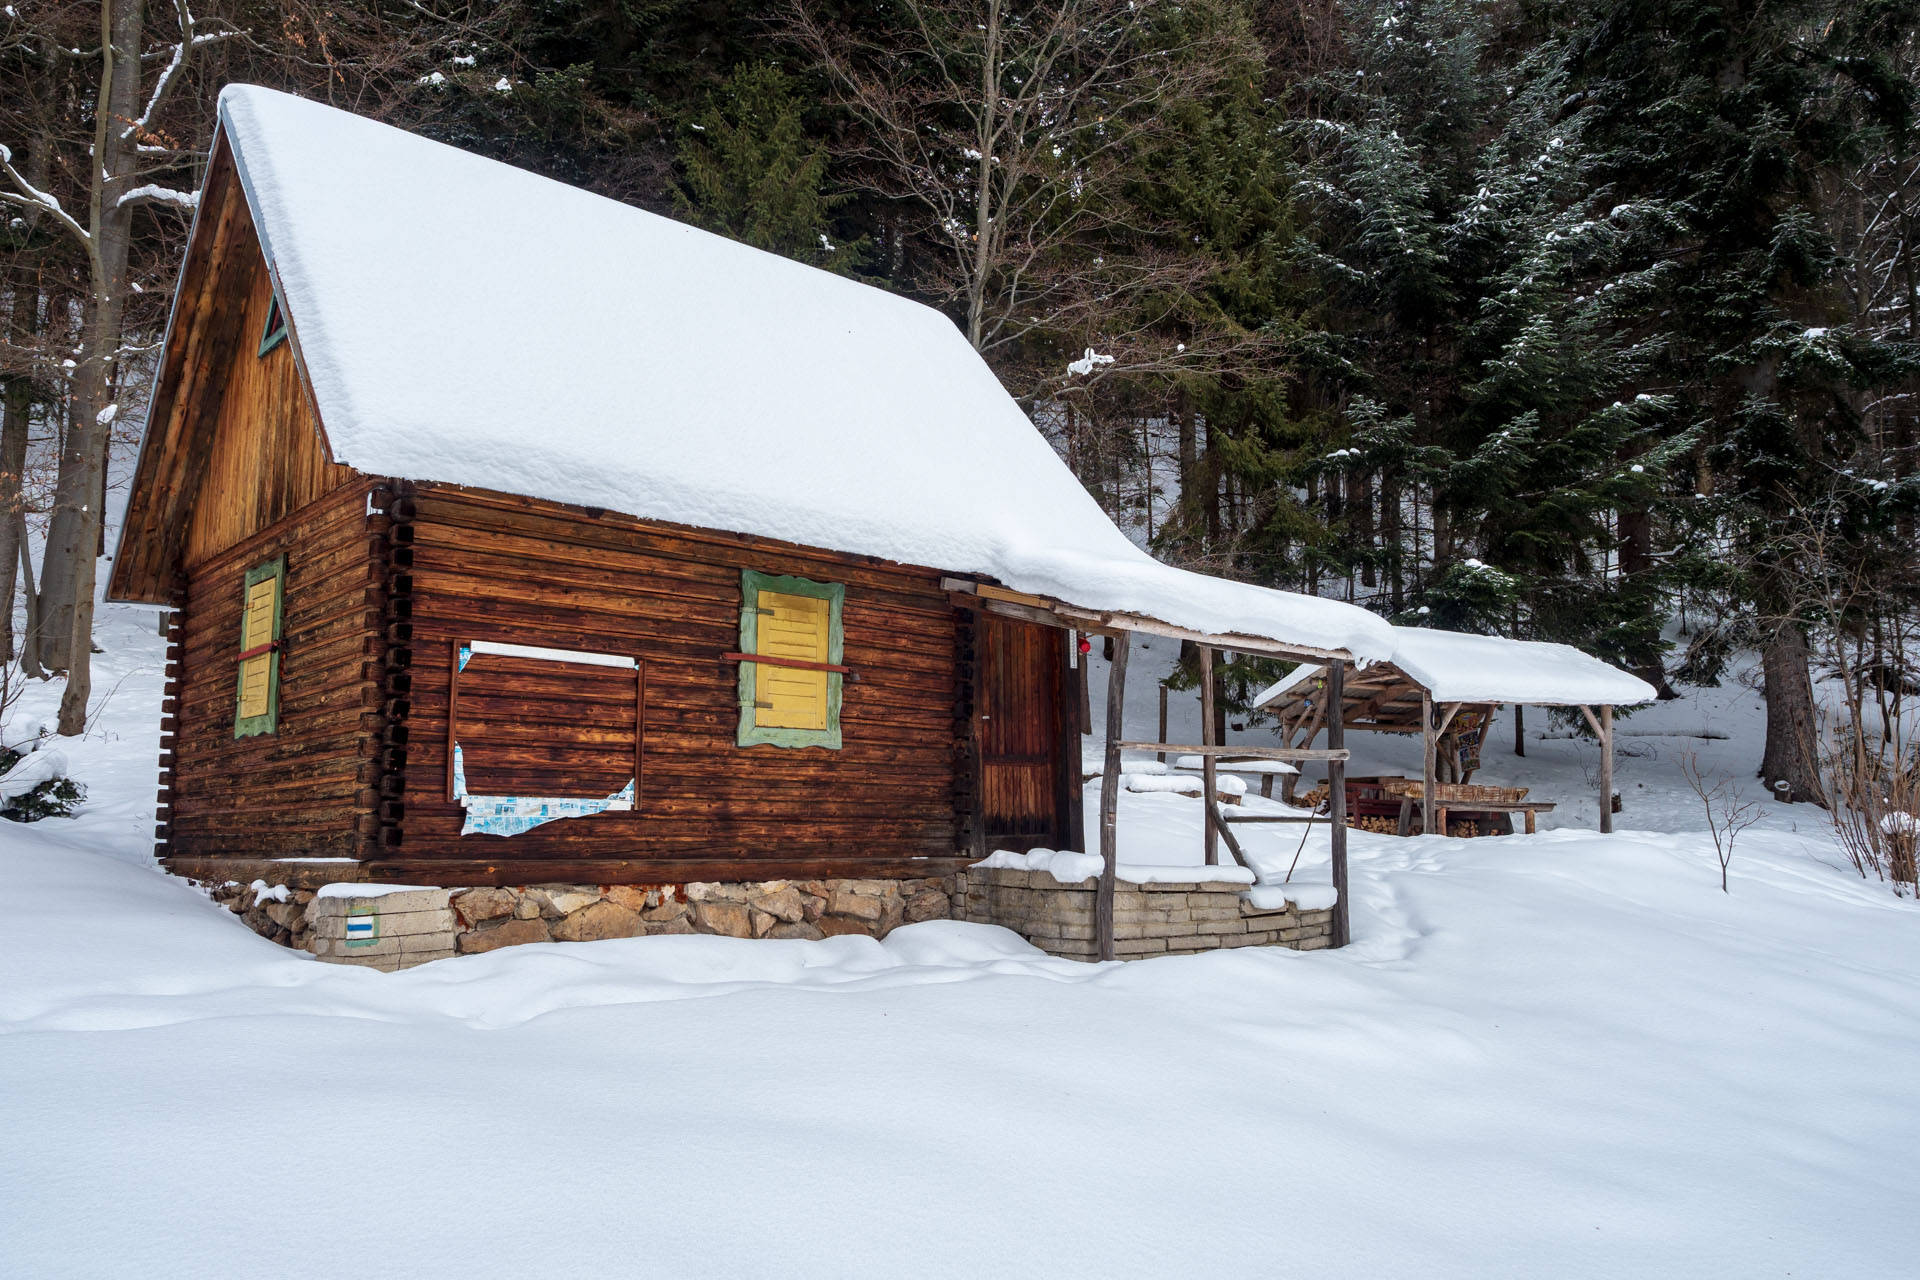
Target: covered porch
1120, 627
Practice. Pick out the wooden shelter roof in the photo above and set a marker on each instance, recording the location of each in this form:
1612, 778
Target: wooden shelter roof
1454, 667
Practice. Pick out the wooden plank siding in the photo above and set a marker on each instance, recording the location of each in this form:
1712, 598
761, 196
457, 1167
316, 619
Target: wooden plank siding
486, 566
304, 789
267, 459
233, 442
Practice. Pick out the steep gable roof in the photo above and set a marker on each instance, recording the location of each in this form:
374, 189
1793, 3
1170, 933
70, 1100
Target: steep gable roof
463, 321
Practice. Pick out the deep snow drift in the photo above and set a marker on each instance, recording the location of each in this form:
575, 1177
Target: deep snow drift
1566, 1055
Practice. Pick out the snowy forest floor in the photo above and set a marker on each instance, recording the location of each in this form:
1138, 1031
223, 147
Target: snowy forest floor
1564, 1055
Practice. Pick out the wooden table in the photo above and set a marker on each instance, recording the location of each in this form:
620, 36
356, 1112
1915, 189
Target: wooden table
1476, 807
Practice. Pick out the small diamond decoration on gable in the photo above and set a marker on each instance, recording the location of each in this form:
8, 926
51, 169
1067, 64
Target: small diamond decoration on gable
363, 926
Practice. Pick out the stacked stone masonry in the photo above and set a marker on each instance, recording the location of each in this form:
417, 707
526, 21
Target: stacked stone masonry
1148, 919
414, 926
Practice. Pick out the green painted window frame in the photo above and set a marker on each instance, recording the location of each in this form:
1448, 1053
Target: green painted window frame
269, 722
274, 332
835, 594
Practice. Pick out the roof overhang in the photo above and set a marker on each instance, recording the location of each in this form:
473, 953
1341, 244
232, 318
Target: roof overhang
988, 597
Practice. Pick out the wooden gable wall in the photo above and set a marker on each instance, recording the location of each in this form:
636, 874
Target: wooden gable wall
265, 457
233, 443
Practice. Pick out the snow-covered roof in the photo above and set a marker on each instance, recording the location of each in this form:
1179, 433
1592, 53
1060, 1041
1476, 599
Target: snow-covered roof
1456, 667
464, 321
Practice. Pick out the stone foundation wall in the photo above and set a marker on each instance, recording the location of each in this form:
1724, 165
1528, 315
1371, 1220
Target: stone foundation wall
491, 918
1148, 919
414, 926
400, 929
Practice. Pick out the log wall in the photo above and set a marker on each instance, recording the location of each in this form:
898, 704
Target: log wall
308, 789
487, 566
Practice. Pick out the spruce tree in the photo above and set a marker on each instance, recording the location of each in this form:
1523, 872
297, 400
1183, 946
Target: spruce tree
1732, 119
751, 172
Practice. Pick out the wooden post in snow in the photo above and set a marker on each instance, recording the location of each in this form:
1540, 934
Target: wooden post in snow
1337, 797
1602, 726
1428, 749
1110, 797
1209, 770
1606, 770
1162, 756
1519, 730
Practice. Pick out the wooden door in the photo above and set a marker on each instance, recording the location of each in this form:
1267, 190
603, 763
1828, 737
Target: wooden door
1024, 722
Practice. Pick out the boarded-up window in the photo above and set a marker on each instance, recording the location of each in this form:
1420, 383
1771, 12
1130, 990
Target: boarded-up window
257, 694
792, 698
535, 734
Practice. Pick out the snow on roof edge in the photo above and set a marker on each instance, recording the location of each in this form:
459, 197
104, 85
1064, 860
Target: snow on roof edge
1457, 666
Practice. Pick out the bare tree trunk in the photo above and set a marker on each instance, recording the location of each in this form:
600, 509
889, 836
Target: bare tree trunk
16, 408
1360, 493
1789, 766
1210, 483
74, 544
15, 404
1636, 560
1390, 538
985, 233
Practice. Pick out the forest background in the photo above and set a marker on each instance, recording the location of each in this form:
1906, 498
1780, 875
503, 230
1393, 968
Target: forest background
1593, 321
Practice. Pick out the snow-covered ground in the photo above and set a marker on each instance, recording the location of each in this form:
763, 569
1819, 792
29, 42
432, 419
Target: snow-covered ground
1565, 1055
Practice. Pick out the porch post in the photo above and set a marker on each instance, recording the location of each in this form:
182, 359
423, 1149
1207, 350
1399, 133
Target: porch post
1606, 770
1337, 797
1110, 797
1208, 770
1428, 788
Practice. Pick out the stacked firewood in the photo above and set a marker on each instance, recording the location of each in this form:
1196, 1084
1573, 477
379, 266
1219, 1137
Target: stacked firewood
1312, 799
1380, 826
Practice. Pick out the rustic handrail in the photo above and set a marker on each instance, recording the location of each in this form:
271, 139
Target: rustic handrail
1251, 753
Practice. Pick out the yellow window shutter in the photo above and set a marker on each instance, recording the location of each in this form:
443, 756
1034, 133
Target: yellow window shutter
256, 629
797, 628
256, 705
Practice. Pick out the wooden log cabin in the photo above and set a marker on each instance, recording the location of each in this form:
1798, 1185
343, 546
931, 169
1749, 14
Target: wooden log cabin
512, 535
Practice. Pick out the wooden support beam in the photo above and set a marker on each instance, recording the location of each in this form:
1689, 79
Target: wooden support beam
1110, 799
1161, 755
1337, 798
1233, 845
1428, 781
1209, 769
1606, 771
